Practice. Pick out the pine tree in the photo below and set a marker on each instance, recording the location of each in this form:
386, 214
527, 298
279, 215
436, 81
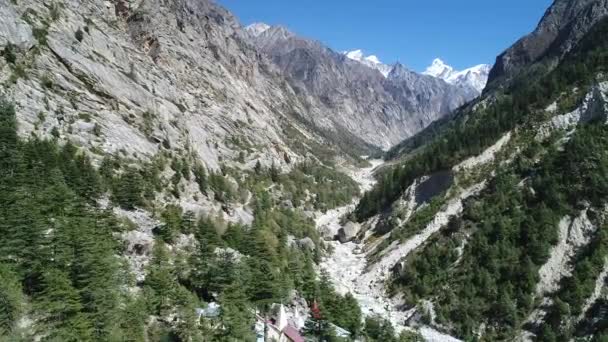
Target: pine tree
188, 222
94, 264
8, 139
160, 282
59, 302
11, 300
128, 189
349, 315
200, 176
258, 168
236, 315
132, 321
317, 326
274, 173
264, 288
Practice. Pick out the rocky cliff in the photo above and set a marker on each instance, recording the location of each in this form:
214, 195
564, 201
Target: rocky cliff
353, 97
521, 257
140, 77
562, 26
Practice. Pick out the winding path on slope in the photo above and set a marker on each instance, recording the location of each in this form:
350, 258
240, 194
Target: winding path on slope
346, 267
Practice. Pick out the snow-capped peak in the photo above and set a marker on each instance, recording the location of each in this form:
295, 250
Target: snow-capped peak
475, 77
256, 29
356, 55
370, 61
373, 59
439, 69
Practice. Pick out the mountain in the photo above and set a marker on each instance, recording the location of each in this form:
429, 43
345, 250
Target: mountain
350, 93
166, 174
492, 221
439, 69
562, 26
256, 29
475, 77
154, 165
371, 61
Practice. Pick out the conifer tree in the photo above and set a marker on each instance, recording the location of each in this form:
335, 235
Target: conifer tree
60, 304
317, 326
160, 282
11, 300
128, 189
236, 315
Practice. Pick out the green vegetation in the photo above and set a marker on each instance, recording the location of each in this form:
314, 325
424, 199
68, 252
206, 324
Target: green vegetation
378, 329
308, 185
58, 255
9, 54
330, 188
79, 35
57, 248
471, 131
512, 232
507, 232
576, 289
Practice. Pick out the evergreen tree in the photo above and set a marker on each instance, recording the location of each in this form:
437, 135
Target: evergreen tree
200, 176
236, 315
160, 282
128, 189
188, 222
11, 300
60, 304
132, 321
317, 326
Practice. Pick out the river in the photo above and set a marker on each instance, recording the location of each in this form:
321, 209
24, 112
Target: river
347, 268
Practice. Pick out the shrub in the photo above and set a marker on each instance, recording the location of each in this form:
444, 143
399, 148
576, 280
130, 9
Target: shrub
79, 35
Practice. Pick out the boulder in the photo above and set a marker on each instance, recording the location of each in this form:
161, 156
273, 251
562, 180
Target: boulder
348, 232
327, 233
306, 244
287, 204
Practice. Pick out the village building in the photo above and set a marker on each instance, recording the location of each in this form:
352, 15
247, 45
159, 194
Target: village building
277, 328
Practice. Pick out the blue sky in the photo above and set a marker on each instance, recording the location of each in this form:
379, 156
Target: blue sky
461, 32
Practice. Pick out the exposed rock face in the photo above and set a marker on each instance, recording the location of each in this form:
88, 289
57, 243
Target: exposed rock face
594, 107
306, 244
146, 76
573, 234
562, 26
355, 99
139, 242
13, 30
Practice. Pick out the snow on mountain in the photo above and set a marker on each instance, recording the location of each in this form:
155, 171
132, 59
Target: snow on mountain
439, 69
371, 61
475, 77
256, 29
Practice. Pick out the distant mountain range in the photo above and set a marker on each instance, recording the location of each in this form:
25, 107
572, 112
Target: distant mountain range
358, 95
475, 77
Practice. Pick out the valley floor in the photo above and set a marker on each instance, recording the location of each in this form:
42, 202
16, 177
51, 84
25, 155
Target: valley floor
347, 268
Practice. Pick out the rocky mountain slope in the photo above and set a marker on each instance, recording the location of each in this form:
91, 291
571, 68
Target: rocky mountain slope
371, 61
492, 224
158, 161
153, 162
354, 96
137, 78
562, 26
